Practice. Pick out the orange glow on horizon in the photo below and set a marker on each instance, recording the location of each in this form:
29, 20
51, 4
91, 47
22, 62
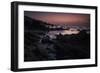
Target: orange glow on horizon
60, 18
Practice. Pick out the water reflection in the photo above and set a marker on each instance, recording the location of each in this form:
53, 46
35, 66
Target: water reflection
53, 33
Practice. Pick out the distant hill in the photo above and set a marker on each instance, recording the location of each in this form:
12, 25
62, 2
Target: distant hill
33, 24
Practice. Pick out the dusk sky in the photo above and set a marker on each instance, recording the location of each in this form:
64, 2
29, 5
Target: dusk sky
61, 18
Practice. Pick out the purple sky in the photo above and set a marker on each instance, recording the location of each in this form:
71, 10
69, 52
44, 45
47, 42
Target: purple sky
60, 18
